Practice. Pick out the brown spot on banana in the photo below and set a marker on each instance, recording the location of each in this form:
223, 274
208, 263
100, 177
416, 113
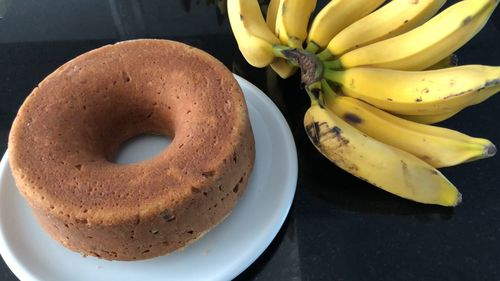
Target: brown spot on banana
491, 83
337, 132
317, 131
312, 131
487, 84
406, 176
419, 99
242, 17
352, 118
467, 20
404, 166
426, 158
338, 159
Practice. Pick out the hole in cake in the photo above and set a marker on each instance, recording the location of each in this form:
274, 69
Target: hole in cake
81, 221
236, 187
190, 232
168, 215
208, 174
141, 148
126, 77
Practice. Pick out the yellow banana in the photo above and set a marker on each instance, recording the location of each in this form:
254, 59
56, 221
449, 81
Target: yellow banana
437, 146
435, 118
280, 66
430, 118
395, 18
335, 16
283, 69
384, 166
272, 12
292, 20
419, 92
427, 44
255, 39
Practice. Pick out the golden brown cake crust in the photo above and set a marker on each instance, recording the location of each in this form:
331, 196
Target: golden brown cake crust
71, 125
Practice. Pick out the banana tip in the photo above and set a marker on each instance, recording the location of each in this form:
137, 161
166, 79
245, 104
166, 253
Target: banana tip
491, 150
459, 198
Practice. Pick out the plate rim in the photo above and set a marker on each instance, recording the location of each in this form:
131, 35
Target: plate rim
20, 270
294, 166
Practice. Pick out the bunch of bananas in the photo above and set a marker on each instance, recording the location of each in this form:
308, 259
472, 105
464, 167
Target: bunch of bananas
378, 76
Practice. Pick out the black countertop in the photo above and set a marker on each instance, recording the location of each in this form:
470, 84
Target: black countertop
339, 228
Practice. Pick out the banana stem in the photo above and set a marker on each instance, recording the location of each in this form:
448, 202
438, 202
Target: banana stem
332, 75
312, 96
312, 47
325, 55
327, 93
280, 51
327, 89
311, 68
314, 91
333, 64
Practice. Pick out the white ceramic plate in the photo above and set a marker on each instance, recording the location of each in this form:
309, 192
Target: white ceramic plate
222, 254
